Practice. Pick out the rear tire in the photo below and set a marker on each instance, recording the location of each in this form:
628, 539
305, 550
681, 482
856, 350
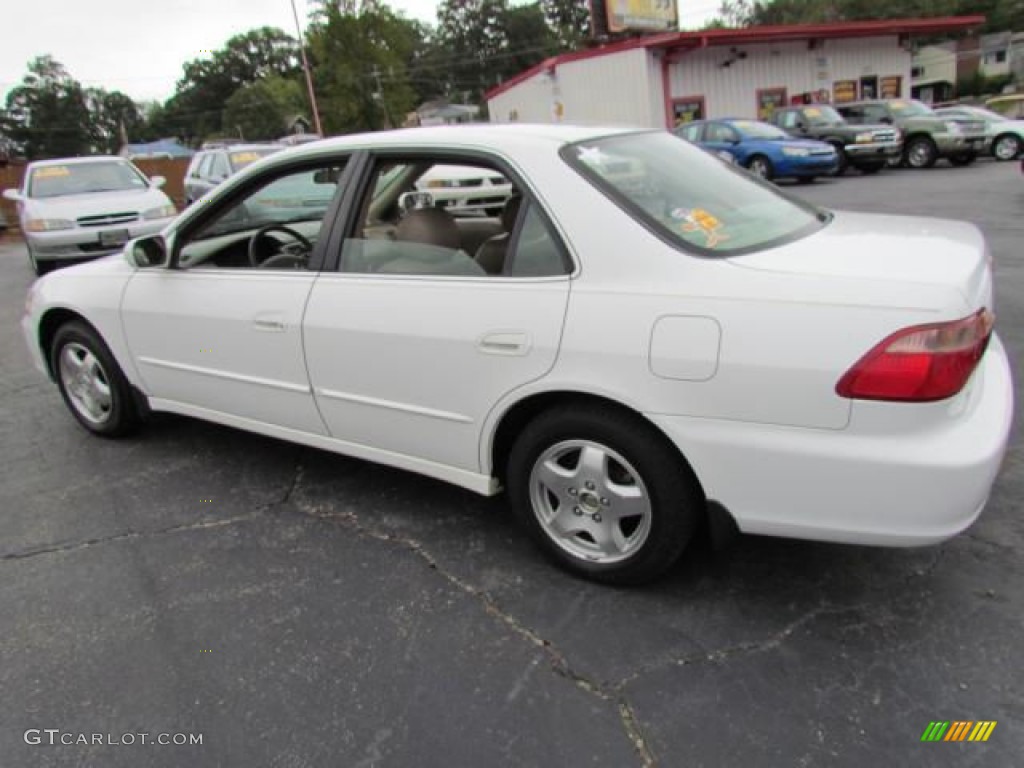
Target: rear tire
92, 384
604, 494
761, 166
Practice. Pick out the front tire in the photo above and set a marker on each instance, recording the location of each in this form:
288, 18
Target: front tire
1007, 147
603, 493
920, 152
91, 382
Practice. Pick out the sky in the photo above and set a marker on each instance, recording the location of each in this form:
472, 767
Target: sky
139, 46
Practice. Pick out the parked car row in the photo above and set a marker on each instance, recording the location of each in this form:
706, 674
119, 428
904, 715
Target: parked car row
807, 141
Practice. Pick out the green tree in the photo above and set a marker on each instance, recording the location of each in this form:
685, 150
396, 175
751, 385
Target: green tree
261, 111
48, 115
114, 118
196, 109
569, 21
360, 63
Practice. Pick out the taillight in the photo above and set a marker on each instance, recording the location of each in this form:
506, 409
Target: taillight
921, 363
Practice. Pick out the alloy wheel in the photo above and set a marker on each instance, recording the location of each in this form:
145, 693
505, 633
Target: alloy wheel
590, 501
86, 383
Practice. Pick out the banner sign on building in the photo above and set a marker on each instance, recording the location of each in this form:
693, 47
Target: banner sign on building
642, 15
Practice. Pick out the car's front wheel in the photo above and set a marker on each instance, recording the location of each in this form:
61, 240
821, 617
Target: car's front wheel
91, 382
1007, 147
604, 494
920, 152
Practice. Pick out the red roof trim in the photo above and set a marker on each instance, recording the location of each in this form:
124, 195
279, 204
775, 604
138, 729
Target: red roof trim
766, 34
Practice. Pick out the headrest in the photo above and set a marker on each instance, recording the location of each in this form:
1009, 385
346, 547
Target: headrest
430, 226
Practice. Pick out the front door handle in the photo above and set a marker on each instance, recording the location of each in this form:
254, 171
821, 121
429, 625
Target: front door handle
505, 343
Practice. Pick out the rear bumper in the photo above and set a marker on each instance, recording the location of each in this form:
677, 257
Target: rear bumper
872, 483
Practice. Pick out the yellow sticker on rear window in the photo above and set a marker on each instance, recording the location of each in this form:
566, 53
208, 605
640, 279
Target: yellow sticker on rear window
699, 221
50, 172
898, 104
812, 112
244, 158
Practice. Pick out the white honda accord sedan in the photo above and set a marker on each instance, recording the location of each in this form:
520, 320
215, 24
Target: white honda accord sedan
643, 334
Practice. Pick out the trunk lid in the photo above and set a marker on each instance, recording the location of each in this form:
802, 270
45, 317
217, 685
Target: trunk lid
889, 249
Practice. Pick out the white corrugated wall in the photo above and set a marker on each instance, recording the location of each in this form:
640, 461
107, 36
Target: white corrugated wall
732, 91
615, 90
625, 88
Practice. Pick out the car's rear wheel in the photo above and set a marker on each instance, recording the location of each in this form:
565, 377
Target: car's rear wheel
759, 165
920, 152
91, 382
605, 495
1007, 147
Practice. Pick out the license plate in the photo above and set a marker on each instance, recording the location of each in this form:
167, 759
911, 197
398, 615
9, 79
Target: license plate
112, 237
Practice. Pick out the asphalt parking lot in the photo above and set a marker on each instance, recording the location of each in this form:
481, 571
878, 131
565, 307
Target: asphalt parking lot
299, 609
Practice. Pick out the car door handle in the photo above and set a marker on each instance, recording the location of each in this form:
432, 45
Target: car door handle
268, 323
505, 343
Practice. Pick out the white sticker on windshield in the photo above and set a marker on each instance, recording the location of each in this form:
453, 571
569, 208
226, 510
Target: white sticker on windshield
592, 156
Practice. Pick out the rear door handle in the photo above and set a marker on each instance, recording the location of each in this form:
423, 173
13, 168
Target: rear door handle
505, 343
271, 323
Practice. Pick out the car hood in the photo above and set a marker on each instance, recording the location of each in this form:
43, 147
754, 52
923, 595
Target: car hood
891, 249
96, 203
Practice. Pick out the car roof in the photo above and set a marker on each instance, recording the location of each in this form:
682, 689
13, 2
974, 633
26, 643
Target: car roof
482, 135
78, 160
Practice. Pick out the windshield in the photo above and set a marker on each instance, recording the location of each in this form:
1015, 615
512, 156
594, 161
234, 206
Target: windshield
83, 178
910, 108
822, 116
244, 157
689, 197
301, 196
755, 130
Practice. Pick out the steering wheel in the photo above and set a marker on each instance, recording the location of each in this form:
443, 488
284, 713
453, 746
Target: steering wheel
289, 254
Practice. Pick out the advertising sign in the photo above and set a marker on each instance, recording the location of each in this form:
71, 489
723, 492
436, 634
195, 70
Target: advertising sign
642, 15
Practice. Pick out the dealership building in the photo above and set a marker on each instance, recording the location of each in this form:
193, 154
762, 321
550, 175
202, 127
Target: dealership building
666, 79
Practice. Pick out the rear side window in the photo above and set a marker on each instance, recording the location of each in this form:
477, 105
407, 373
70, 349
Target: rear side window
690, 198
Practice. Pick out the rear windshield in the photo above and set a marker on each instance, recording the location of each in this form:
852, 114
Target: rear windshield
243, 157
689, 197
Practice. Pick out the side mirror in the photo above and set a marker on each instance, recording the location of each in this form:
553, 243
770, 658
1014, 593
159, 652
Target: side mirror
157, 181
410, 201
13, 195
148, 251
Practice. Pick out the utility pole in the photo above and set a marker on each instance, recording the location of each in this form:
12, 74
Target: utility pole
379, 96
305, 69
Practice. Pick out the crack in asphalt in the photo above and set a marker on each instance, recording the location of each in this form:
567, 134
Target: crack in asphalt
557, 660
769, 643
72, 546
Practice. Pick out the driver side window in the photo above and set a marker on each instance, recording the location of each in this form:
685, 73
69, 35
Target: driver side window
272, 226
